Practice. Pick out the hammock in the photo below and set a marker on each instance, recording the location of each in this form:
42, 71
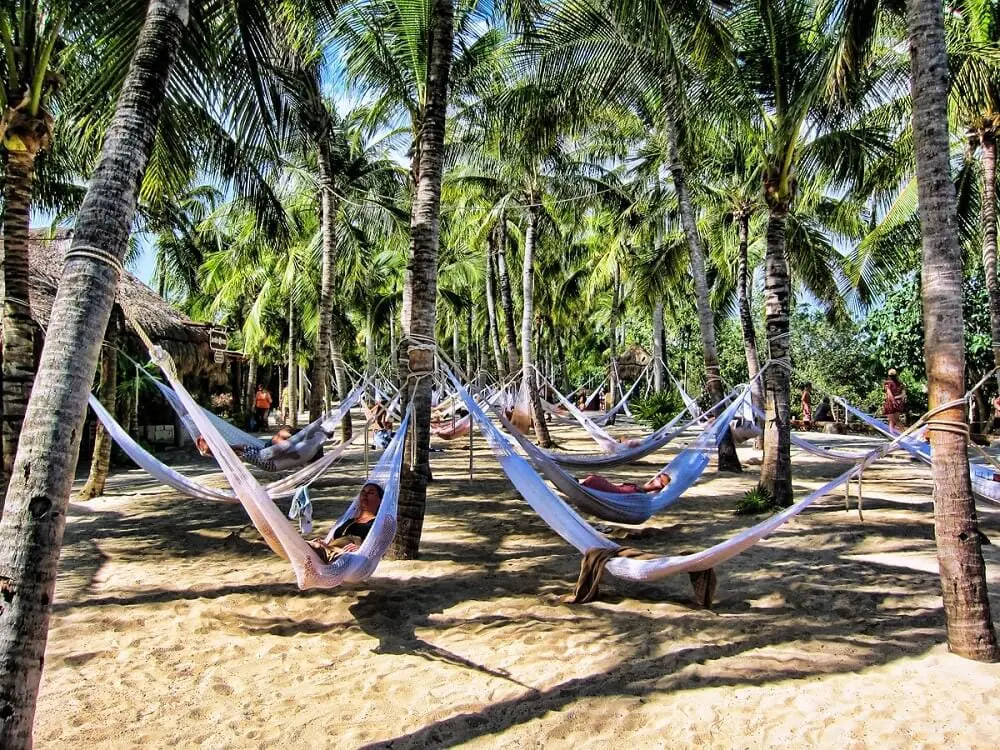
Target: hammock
810, 447
574, 529
233, 434
281, 488
600, 436
309, 569
623, 402
634, 507
299, 449
630, 454
983, 483
690, 403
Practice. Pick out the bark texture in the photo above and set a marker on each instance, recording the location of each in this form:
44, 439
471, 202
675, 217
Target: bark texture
18, 327
491, 305
776, 469
746, 314
988, 139
31, 531
527, 322
419, 309
659, 374
728, 460
101, 461
960, 557
321, 359
506, 297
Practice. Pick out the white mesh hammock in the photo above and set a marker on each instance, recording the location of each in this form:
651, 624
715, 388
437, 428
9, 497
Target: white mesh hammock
623, 402
983, 483
309, 569
634, 507
574, 529
606, 441
284, 487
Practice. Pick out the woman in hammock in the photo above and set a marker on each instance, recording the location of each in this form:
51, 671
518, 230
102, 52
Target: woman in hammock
349, 535
597, 482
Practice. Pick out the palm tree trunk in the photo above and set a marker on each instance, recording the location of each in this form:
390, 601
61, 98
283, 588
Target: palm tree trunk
340, 377
746, 315
18, 326
328, 213
988, 138
612, 360
528, 319
659, 374
960, 557
491, 305
561, 359
251, 387
776, 469
419, 310
456, 357
469, 368
293, 394
100, 463
34, 518
728, 460
506, 298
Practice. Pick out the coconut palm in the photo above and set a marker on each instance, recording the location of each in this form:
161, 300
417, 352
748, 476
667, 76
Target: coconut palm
960, 559
35, 510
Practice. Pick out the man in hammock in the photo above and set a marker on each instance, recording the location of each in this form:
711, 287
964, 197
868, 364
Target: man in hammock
597, 482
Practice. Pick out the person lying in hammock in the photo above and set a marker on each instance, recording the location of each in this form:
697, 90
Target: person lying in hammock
349, 535
597, 482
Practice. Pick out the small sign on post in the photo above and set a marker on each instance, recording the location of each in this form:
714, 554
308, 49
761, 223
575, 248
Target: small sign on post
218, 339
220, 356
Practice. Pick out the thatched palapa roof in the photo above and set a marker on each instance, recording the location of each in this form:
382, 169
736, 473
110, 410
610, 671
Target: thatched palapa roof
186, 340
632, 362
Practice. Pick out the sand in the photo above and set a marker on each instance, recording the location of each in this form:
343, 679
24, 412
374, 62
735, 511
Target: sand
174, 626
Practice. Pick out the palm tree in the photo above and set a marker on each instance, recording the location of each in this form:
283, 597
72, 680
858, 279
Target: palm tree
643, 55
420, 290
31, 44
960, 557
35, 512
975, 104
778, 98
101, 460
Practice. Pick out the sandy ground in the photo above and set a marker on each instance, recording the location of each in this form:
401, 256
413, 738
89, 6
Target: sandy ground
170, 632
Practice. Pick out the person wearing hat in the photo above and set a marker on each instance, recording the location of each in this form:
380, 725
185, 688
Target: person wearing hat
895, 399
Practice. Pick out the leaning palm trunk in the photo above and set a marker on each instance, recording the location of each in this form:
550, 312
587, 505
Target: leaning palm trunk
328, 212
746, 316
506, 298
960, 557
491, 305
34, 519
728, 460
613, 359
527, 320
251, 386
776, 469
101, 461
419, 313
18, 327
659, 376
989, 221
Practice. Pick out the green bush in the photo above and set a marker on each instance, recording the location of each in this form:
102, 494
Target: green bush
657, 409
755, 501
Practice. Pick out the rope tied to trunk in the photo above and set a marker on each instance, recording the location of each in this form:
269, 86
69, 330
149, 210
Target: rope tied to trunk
98, 254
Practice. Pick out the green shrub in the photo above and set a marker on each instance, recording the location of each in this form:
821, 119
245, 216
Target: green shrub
657, 409
755, 501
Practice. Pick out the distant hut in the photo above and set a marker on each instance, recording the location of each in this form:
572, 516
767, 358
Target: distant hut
632, 362
185, 340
